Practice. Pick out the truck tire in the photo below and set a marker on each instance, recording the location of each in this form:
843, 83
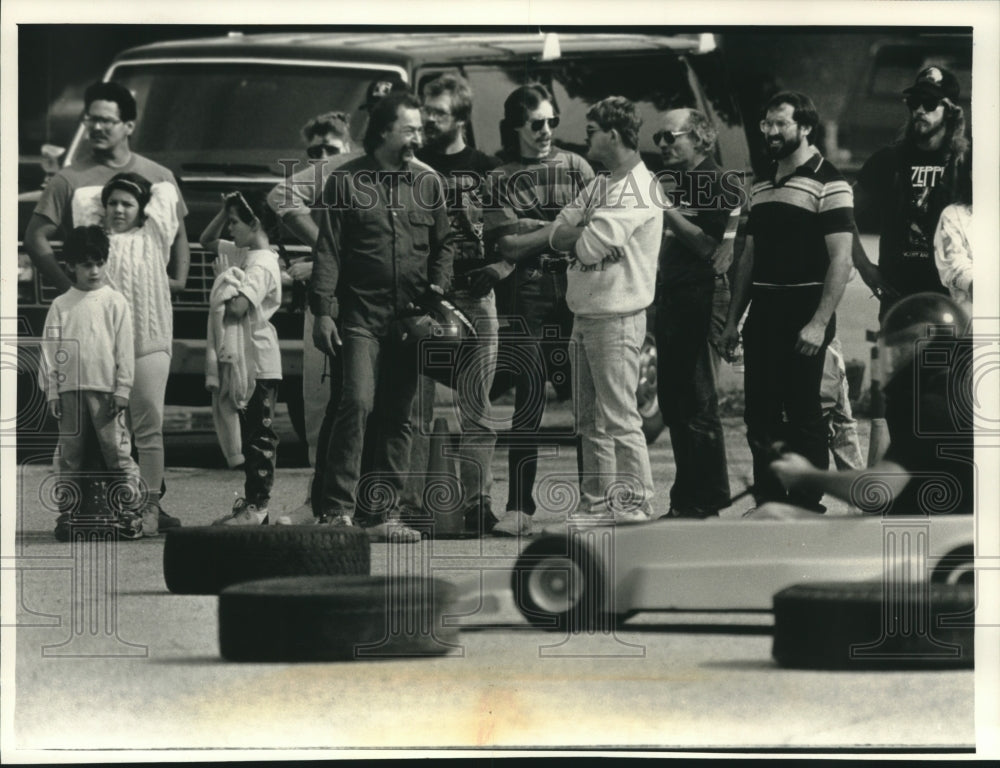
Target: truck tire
335, 618
205, 560
853, 626
646, 398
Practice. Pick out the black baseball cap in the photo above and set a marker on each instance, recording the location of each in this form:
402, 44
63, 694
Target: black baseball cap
936, 82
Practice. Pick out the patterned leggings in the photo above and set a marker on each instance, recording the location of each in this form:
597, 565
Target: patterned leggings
260, 442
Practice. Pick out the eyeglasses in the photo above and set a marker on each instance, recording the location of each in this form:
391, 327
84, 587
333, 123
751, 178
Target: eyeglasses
104, 122
317, 151
929, 103
668, 136
781, 125
537, 125
436, 113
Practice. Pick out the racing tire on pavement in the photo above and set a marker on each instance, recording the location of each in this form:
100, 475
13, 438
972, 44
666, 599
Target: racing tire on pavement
646, 397
862, 625
957, 567
559, 584
336, 618
205, 560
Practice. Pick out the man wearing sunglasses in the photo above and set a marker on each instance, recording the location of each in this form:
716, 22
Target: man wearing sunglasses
902, 189
692, 303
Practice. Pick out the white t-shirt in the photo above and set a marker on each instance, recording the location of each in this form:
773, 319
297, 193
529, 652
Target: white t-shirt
262, 289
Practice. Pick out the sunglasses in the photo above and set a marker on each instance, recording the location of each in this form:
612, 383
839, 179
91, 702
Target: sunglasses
929, 103
668, 136
317, 151
537, 125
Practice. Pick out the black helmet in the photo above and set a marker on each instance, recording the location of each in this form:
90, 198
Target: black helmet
437, 331
926, 317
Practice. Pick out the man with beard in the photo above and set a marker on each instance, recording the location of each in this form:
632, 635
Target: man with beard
903, 188
693, 301
793, 268
447, 109
384, 242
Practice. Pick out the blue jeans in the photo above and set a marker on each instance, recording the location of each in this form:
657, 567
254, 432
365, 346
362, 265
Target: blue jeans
378, 375
687, 365
616, 471
535, 351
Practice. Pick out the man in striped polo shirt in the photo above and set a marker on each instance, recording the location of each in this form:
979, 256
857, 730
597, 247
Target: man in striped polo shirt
793, 269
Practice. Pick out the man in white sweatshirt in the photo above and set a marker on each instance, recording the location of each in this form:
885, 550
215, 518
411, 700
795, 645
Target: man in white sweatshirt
612, 231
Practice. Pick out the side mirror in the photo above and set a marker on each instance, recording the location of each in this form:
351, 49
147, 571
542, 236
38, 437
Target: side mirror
50, 159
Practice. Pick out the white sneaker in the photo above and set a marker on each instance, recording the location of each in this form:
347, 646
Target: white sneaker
302, 515
513, 523
630, 516
244, 514
393, 530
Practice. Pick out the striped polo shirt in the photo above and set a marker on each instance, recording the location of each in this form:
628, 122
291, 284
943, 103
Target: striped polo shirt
789, 219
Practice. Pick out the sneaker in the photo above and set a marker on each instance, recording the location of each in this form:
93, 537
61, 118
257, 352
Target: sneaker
479, 519
393, 531
150, 519
302, 515
630, 516
164, 521
513, 523
244, 514
63, 531
129, 526
341, 521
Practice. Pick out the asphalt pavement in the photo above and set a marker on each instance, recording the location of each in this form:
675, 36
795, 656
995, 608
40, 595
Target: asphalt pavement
138, 668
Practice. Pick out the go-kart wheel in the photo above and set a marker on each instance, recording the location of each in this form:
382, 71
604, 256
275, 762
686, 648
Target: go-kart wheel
559, 584
956, 567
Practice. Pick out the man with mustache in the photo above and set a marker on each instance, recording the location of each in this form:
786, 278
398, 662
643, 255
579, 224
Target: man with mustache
793, 269
902, 189
384, 241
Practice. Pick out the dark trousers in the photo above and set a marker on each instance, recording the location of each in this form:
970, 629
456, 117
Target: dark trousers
780, 382
535, 350
379, 377
260, 442
686, 376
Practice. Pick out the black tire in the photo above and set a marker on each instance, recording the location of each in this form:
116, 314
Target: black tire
856, 626
335, 618
559, 584
956, 567
645, 396
206, 560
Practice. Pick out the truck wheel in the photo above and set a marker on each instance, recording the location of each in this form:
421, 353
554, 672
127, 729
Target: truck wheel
856, 626
559, 584
335, 618
205, 560
649, 406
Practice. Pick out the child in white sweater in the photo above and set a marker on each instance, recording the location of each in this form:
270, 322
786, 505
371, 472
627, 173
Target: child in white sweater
257, 272
88, 362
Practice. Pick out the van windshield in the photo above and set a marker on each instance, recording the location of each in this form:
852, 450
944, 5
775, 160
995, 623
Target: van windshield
243, 116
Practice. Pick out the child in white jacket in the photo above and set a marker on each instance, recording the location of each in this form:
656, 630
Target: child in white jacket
254, 294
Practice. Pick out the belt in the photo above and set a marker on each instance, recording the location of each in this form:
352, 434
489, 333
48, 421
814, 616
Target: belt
552, 265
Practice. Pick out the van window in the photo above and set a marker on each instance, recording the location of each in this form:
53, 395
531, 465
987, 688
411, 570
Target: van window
656, 82
236, 113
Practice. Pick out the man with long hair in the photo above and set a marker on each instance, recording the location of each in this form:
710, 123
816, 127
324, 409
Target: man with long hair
902, 189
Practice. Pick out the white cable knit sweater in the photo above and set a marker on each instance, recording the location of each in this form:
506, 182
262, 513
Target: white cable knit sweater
137, 264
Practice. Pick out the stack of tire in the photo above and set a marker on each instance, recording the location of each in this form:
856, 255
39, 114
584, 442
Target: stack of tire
305, 593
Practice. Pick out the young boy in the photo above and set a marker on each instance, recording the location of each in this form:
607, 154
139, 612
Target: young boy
88, 365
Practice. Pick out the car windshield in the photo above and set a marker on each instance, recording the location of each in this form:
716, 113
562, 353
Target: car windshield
237, 118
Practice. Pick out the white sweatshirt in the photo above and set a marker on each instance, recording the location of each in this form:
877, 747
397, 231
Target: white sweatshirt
616, 215
88, 343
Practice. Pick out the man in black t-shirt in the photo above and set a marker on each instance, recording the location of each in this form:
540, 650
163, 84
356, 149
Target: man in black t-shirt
447, 106
902, 189
691, 308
